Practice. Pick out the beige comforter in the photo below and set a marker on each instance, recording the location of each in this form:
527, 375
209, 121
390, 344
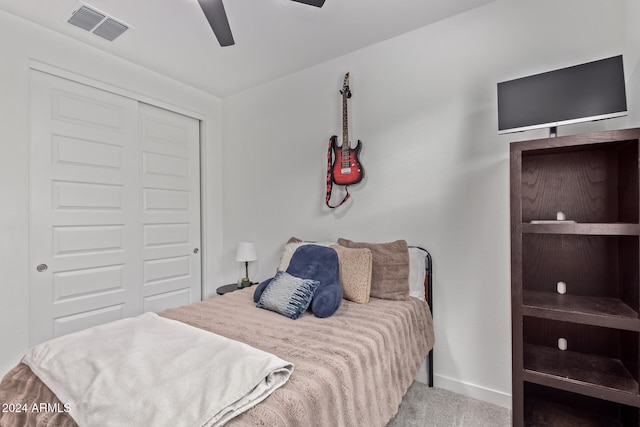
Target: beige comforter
351, 369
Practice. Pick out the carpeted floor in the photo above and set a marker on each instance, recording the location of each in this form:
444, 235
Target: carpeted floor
433, 407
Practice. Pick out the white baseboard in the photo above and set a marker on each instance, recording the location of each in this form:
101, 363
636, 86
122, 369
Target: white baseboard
467, 389
474, 391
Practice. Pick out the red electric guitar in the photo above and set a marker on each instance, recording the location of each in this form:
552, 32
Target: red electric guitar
346, 168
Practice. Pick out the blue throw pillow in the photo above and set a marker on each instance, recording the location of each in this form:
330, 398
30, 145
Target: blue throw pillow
288, 295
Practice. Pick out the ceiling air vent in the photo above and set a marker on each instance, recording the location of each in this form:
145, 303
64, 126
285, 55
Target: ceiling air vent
99, 23
110, 29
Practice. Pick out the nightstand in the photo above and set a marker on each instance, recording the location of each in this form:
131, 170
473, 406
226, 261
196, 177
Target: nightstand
229, 288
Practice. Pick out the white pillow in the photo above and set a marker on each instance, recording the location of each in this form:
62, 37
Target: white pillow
417, 272
291, 247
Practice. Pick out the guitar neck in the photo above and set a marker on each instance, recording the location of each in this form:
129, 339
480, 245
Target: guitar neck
346, 145
345, 124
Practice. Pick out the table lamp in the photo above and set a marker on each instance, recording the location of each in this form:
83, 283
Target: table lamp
246, 252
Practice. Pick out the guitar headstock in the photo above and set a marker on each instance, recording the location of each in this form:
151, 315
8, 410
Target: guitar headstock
345, 87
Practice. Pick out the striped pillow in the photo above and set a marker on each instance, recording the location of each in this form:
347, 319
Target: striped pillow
288, 295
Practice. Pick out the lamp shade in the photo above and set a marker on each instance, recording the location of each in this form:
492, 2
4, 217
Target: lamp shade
246, 252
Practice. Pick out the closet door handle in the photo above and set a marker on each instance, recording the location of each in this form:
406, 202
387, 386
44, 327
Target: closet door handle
41, 268
196, 250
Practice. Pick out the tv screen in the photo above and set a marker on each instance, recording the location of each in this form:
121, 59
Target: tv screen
581, 93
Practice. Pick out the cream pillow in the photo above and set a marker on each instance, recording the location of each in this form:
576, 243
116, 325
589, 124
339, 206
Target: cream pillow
355, 273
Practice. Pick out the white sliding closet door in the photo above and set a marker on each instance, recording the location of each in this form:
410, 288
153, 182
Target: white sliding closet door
170, 208
107, 239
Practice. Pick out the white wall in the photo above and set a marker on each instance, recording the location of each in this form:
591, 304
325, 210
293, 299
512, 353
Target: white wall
437, 173
21, 42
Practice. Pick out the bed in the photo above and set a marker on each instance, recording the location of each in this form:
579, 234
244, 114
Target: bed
351, 368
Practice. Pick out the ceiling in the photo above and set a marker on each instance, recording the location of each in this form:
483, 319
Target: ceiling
273, 38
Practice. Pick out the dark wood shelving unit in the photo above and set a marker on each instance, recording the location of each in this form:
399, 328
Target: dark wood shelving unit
576, 347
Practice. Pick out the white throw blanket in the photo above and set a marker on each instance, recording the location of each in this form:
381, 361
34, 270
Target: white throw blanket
153, 371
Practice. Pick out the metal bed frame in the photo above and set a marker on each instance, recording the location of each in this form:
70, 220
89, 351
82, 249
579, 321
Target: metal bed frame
428, 287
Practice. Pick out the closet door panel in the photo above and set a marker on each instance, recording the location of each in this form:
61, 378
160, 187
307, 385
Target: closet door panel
170, 208
84, 224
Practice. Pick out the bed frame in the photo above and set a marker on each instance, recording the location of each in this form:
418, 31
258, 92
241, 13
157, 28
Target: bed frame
428, 289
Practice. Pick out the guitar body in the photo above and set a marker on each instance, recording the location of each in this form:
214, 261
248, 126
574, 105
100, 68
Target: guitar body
346, 168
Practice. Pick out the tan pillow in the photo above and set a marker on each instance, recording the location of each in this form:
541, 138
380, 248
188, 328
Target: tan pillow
390, 268
355, 273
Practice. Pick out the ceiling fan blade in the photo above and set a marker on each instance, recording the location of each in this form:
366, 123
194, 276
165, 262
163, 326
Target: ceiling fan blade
316, 3
217, 17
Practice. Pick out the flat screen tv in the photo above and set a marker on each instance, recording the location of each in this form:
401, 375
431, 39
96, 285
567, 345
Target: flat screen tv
585, 92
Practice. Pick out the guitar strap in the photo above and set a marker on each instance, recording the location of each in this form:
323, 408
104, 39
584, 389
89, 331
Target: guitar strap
330, 181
